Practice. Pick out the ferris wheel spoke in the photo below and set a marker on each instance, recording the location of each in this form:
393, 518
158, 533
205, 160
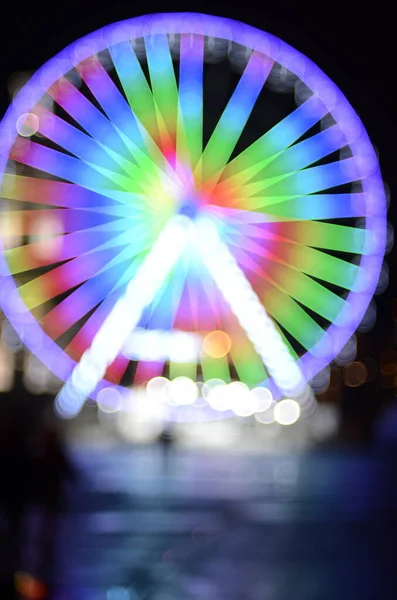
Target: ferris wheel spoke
159, 316
69, 168
204, 293
217, 308
301, 208
164, 89
74, 220
101, 158
51, 223
247, 362
301, 287
318, 234
218, 318
302, 183
318, 264
84, 336
164, 313
234, 240
135, 212
305, 153
291, 159
80, 144
136, 138
71, 100
215, 368
161, 312
81, 301
135, 86
300, 257
319, 207
145, 110
308, 292
190, 115
234, 118
328, 236
141, 244
292, 317
193, 293
31, 256
228, 187
154, 167
58, 193
277, 139
64, 277
113, 104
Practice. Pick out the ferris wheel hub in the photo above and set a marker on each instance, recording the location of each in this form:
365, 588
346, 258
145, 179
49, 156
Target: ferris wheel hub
189, 208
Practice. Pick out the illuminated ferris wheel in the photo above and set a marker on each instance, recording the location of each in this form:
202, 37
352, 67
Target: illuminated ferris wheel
198, 224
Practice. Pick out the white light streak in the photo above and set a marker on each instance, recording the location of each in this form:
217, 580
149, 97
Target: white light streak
157, 345
248, 309
124, 317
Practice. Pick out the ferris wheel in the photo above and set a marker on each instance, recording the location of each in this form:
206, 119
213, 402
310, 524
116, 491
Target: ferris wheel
200, 224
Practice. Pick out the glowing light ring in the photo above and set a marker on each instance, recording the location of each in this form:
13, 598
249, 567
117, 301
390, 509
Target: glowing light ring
336, 104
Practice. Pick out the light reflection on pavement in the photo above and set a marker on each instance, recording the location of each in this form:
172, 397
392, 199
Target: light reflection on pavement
227, 527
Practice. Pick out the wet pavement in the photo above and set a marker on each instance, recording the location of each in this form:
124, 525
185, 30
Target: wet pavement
227, 527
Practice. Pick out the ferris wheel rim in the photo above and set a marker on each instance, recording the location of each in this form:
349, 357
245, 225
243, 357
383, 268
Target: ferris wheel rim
262, 42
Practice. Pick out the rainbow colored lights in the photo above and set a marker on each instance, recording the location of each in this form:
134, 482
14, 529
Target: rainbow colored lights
242, 260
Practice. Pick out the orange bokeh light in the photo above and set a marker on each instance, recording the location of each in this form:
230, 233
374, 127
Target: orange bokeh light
355, 374
217, 344
389, 369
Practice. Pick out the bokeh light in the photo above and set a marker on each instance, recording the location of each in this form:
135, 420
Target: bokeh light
320, 382
388, 368
109, 400
348, 352
355, 374
217, 344
183, 391
209, 385
369, 318
383, 279
326, 422
10, 338
240, 400
7, 368
218, 398
36, 375
389, 238
266, 417
263, 397
287, 412
27, 124
158, 389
